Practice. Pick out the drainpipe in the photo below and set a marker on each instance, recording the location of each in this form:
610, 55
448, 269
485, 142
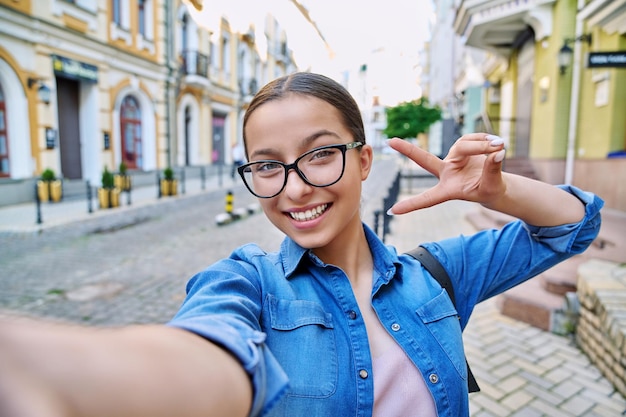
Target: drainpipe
574, 101
168, 56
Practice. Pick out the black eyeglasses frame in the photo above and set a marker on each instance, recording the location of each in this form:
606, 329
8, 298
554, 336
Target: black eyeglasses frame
288, 167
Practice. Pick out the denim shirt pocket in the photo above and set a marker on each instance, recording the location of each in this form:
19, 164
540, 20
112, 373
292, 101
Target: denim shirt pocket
302, 332
441, 319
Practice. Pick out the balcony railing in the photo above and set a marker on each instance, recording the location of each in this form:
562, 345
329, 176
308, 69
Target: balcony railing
195, 63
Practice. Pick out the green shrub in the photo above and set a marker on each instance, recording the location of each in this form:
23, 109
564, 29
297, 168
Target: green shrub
107, 179
168, 174
48, 175
123, 168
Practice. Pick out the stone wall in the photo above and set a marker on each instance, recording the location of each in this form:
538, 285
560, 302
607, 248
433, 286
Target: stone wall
601, 330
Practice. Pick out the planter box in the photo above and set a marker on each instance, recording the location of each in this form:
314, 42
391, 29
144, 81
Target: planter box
49, 190
169, 187
108, 197
122, 182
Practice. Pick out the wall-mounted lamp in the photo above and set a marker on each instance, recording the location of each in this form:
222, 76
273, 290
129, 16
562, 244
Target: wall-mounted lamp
565, 53
43, 91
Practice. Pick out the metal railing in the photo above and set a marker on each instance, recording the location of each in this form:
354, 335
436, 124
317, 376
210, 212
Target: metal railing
195, 63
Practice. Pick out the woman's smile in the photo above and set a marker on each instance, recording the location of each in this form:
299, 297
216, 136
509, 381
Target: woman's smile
308, 214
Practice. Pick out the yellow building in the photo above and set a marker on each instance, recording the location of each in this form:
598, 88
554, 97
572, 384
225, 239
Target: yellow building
90, 84
551, 91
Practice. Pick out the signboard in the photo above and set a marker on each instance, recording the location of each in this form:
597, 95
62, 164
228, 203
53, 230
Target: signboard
51, 138
106, 140
76, 70
615, 59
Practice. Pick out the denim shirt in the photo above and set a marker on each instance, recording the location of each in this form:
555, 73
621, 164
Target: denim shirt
294, 323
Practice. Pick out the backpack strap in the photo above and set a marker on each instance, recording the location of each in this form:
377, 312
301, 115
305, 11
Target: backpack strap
439, 273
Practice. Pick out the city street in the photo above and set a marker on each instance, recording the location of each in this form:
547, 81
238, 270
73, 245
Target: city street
136, 274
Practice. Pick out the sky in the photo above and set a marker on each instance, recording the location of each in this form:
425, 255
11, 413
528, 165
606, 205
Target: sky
342, 35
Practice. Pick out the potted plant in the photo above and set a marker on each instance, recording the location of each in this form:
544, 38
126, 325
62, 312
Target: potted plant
108, 195
122, 179
169, 185
49, 188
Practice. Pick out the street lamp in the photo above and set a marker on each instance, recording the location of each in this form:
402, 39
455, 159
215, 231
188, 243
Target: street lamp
43, 92
565, 53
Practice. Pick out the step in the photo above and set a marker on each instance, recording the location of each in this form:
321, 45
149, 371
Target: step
483, 218
530, 303
561, 278
520, 166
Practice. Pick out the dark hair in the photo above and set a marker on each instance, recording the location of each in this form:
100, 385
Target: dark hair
315, 85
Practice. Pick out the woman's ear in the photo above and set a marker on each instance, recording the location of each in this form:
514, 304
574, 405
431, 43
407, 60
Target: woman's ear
366, 155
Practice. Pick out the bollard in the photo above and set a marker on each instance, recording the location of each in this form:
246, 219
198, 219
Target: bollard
38, 205
158, 184
89, 209
229, 203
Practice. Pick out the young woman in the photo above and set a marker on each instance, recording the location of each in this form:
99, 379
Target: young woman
333, 324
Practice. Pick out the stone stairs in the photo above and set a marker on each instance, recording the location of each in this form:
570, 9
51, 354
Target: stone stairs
543, 301
521, 166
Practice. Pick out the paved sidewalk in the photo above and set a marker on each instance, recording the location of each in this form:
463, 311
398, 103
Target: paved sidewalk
21, 218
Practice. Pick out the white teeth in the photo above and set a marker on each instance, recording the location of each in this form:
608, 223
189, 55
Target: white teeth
309, 214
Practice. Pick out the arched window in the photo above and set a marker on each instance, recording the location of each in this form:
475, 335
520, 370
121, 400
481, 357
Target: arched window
4, 140
130, 118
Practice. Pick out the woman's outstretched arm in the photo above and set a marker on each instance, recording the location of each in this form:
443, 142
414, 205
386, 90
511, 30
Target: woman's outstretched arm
57, 370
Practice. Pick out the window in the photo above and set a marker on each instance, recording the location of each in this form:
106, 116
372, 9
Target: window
130, 119
4, 140
116, 12
141, 13
226, 55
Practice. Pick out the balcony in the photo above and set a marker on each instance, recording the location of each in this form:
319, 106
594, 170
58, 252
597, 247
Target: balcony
248, 87
499, 25
195, 68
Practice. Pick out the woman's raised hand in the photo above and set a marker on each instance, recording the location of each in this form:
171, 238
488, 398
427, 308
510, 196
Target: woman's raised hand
471, 171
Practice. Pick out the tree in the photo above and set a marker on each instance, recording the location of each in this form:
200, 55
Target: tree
411, 118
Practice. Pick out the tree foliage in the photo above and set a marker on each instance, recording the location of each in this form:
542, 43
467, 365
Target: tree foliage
411, 118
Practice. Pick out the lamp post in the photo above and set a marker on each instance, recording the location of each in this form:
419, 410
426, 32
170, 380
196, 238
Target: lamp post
43, 92
566, 53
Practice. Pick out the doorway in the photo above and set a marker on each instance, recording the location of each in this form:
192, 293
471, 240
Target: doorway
68, 104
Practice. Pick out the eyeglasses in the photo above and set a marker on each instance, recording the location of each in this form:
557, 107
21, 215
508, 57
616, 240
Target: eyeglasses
319, 167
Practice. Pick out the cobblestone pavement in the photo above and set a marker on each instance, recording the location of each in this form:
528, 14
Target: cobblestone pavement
135, 272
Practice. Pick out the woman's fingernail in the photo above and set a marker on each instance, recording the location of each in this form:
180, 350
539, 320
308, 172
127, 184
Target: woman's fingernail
499, 155
497, 142
389, 212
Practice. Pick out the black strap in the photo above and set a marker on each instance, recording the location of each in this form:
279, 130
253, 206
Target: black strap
436, 270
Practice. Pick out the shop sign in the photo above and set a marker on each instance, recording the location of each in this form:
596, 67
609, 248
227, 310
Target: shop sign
615, 59
73, 69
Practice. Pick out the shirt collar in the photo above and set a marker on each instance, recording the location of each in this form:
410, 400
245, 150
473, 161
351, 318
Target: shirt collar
385, 257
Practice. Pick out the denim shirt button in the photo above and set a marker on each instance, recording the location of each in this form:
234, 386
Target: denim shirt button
395, 327
363, 374
433, 378
352, 314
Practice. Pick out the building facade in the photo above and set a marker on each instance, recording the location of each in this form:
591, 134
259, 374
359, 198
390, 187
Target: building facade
90, 84
555, 86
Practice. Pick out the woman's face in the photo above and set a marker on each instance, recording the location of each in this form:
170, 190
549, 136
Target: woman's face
283, 130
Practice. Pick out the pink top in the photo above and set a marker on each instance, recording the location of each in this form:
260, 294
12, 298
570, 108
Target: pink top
399, 388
